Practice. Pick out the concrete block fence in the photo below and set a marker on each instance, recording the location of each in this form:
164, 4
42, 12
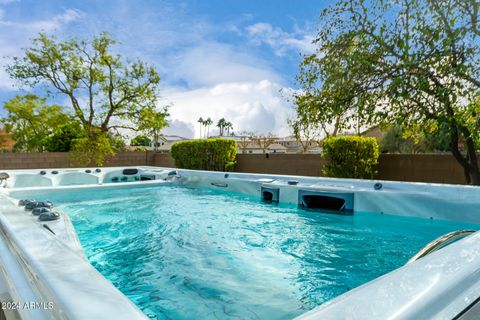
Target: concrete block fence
441, 168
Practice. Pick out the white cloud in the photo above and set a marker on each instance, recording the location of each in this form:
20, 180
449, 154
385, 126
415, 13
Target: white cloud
203, 77
280, 41
15, 35
43, 25
210, 63
252, 106
180, 128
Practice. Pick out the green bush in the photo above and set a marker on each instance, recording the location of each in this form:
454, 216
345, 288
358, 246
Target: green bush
205, 154
94, 150
141, 141
61, 140
350, 157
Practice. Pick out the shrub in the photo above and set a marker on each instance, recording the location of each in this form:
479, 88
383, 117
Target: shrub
205, 154
94, 150
141, 141
61, 140
350, 157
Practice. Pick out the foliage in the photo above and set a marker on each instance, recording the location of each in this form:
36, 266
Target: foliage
30, 121
116, 142
305, 131
414, 63
152, 122
207, 123
202, 124
350, 157
62, 138
206, 126
110, 89
205, 154
106, 92
245, 140
94, 150
396, 140
264, 141
328, 102
223, 125
140, 140
439, 139
230, 166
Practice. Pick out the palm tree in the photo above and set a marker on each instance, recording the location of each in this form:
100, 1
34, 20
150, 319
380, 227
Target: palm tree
201, 121
221, 125
228, 126
208, 122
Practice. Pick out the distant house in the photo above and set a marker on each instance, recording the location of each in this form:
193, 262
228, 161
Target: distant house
374, 132
294, 146
290, 143
254, 148
165, 142
6, 141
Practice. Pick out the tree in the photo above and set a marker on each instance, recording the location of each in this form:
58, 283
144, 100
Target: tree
208, 123
201, 122
245, 140
395, 141
329, 101
140, 140
413, 63
30, 120
152, 122
228, 126
92, 152
306, 131
63, 137
106, 92
264, 141
221, 125
117, 142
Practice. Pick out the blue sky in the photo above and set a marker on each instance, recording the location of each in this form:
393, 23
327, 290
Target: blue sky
216, 58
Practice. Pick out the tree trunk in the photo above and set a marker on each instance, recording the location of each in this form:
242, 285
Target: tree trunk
155, 138
469, 162
474, 171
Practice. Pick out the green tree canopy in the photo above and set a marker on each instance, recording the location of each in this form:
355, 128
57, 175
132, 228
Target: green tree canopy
102, 88
63, 137
140, 140
30, 120
152, 122
106, 92
413, 63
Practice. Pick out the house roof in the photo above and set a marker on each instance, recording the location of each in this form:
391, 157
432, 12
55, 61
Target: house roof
172, 138
254, 145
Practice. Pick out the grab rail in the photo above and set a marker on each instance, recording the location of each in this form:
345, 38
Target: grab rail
440, 242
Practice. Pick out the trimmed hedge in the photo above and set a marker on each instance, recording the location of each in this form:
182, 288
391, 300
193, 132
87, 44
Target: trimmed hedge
205, 154
350, 157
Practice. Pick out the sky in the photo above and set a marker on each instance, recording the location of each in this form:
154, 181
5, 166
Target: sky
235, 59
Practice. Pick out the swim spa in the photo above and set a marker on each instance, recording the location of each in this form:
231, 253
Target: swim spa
187, 244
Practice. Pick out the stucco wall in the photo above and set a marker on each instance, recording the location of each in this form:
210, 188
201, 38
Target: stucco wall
36, 160
401, 167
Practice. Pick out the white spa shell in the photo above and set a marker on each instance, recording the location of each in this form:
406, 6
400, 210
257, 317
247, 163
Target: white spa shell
37, 265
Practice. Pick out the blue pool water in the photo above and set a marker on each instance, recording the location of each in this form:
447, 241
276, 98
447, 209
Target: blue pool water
182, 253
